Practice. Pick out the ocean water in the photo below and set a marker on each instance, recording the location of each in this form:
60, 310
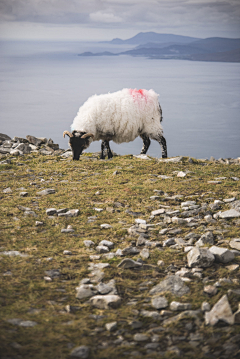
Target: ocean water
42, 85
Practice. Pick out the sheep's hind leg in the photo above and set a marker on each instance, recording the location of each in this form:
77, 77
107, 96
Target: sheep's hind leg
146, 144
162, 141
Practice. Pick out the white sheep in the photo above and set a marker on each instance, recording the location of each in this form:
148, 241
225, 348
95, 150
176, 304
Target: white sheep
121, 117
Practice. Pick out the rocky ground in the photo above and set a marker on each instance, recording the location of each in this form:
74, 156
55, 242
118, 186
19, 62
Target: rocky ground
133, 257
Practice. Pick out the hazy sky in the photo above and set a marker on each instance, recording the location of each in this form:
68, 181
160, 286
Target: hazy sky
107, 19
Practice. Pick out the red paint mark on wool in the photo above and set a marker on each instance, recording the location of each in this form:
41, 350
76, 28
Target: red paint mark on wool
138, 95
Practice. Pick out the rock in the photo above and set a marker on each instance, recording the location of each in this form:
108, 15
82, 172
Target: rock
144, 253
37, 223
173, 284
4, 137
142, 157
80, 352
187, 314
160, 263
72, 213
233, 267
66, 252
205, 307
102, 249
172, 159
111, 326
53, 273
105, 301
200, 257
139, 337
139, 220
85, 291
169, 242
157, 212
231, 213
236, 205
13, 254
220, 311
206, 238
181, 174
7, 190
210, 290
222, 255
159, 302
107, 288
46, 192
22, 323
119, 252
184, 273
23, 194
130, 251
105, 226
106, 243
129, 263
51, 211
88, 243
229, 200
34, 141
188, 203
180, 306
235, 243
67, 230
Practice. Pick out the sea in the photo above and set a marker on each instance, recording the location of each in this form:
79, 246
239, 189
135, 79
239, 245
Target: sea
43, 84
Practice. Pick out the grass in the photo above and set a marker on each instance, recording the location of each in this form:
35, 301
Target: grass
26, 295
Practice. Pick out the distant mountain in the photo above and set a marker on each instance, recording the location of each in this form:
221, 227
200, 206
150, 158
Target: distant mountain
145, 37
180, 47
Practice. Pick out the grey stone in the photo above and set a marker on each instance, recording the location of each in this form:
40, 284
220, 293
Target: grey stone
80, 352
88, 243
231, 213
46, 192
180, 306
236, 205
13, 254
30, 213
222, 255
169, 242
229, 200
119, 252
51, 211
85, 291
130, 251
172, 159
144, 253
106, 301
33, 140
235, 243
23, 148
107, 288
188, 203
200, 257
129, 263
105, 226
4, 137
150, 314
157, 212
206, 238
71, 213
139, 220
7, 190
159, 302
111, 326
107, 243
66, 252
139, 337
220, 311
53, 273
22, 323
67, 230
102, 249
205, 307
23, 194
173, 284
210, 290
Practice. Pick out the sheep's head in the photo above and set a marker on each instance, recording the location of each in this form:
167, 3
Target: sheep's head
78, 141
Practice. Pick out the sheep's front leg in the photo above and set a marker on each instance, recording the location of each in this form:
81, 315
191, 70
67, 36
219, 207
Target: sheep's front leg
161, 140
146, 143
109, 152
102, 157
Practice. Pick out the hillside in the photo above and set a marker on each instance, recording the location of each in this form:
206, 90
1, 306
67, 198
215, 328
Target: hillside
133, 257
163, 46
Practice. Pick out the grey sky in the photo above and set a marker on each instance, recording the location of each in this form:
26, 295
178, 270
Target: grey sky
106, 19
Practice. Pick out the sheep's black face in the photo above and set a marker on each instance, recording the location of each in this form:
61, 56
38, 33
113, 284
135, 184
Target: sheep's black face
78, 144
78, 141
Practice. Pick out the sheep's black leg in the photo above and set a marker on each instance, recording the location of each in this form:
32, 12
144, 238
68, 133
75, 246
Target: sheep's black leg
109, 152
102, 157
146, 143
161, 140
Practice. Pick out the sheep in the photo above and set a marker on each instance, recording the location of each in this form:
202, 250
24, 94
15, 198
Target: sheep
121, 117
